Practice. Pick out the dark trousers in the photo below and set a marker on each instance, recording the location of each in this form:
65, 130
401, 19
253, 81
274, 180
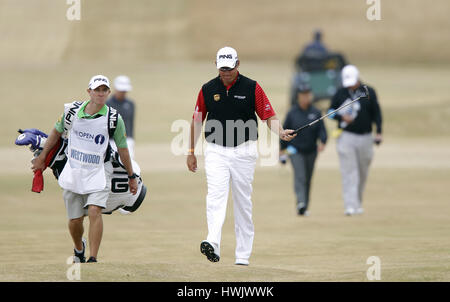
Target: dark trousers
303, 164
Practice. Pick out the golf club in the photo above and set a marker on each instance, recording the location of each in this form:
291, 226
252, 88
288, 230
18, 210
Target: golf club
364, 95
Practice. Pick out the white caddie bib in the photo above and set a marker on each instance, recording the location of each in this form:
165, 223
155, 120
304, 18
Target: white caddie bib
84, 171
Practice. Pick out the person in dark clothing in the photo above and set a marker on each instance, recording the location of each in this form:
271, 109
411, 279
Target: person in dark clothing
316, 47
312, 55
125, 107
355, 141
303, 149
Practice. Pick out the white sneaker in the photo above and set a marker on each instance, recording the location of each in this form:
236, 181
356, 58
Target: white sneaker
124, 212
349, 212
242, 262
359, 211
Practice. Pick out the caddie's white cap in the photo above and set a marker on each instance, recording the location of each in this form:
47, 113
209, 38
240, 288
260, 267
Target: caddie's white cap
350, 75
226, 57
122, 83
97, 81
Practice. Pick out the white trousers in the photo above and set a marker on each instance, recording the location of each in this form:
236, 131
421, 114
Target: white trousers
235, 165
355, 155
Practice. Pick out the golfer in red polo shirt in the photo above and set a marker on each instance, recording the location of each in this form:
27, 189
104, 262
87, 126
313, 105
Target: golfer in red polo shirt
230, 103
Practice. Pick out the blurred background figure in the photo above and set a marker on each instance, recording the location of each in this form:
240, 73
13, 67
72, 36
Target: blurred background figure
318, 67
303, 149
316, 48
355, 139
125, 107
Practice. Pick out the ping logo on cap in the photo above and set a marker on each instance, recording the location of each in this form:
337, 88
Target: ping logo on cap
226, 57
100, 79
97, 81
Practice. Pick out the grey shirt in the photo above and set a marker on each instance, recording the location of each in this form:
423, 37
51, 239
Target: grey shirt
126, 110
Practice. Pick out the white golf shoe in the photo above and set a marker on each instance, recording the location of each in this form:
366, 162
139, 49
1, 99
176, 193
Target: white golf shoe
350, 212
242, 262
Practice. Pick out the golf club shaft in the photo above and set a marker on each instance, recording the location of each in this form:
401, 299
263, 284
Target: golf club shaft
326, 115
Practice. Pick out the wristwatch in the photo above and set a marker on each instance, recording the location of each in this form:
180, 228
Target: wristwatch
132, 176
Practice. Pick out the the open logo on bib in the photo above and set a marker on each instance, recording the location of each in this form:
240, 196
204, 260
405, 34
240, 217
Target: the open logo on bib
99, 139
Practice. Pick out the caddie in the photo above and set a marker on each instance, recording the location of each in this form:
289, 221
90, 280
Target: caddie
86, 176
119, 198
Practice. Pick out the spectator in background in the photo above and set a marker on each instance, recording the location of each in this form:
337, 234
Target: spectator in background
312, 56
316, 47
355, 141
303, 149
312, 65
125, 107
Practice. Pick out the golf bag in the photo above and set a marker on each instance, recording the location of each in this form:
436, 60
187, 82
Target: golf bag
119, 197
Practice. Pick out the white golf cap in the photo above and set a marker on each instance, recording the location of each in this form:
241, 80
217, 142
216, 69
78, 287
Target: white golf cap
350, 75
97, 81
226, 57
122, 83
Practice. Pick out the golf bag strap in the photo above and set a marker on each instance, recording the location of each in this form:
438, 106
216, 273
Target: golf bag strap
112, 125
112, 121
69, 114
